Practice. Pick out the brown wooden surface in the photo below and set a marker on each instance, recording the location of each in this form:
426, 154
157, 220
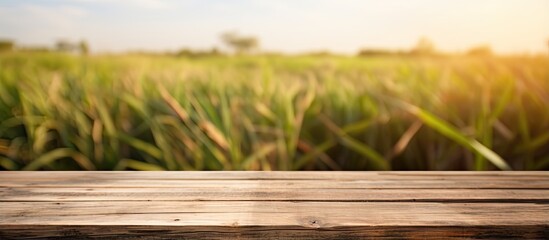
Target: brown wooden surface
280, 205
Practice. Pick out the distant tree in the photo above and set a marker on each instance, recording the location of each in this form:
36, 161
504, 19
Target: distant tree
240, 44
64, 46
424, 47
483, 50
6, 45
84, 47
190, 53
215, 52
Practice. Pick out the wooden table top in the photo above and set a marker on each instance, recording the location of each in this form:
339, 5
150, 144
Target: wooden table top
293, 205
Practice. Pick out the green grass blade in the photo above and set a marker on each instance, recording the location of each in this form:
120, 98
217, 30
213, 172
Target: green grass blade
141, 145
57, 154
451, 132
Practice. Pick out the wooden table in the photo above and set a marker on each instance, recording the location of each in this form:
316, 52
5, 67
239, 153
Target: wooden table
280, 205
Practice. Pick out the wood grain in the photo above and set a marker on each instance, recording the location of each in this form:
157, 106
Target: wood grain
279, 205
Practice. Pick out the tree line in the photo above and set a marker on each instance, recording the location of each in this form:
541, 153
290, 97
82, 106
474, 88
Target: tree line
80, 47
244, 44
425, 47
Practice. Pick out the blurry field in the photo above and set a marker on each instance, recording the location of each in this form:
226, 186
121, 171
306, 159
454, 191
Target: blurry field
62, 112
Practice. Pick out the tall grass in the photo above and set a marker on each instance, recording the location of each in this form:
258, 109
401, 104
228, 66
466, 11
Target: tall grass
273, 113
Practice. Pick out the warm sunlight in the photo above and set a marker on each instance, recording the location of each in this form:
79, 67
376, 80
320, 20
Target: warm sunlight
509, 26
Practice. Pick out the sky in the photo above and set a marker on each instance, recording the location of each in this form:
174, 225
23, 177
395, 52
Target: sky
345, 26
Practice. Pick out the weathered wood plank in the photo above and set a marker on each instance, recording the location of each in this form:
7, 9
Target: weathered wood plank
287, 184
302, 205
278, 175
223, 193
248, 213
282, 232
